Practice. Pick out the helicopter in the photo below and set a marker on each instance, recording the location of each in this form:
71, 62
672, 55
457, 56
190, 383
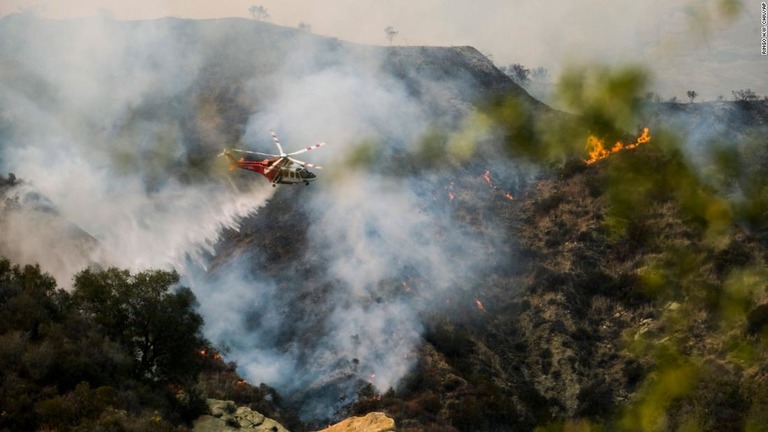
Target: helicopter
277, 168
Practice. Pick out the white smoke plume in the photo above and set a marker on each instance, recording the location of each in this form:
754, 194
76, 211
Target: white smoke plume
381, 246
80, 140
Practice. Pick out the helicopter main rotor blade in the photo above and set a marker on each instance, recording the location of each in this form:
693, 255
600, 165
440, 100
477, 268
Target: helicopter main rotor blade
277, 143
304, 150
302, 163
253, 152
278, 164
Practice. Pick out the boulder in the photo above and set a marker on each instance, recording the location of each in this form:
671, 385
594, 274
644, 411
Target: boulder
227, 417
372, 422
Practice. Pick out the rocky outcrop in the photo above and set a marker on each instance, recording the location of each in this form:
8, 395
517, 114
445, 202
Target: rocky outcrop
226, 416
372, 422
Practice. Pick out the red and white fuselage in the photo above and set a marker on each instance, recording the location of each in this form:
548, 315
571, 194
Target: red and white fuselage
279, 168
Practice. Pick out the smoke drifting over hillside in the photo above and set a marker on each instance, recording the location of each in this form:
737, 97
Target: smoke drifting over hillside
380, 246
118, 125
91, 123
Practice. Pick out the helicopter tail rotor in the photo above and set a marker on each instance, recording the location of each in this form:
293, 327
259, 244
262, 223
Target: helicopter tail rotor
232, 161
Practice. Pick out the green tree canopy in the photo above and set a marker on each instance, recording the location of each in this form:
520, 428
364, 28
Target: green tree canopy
149, 313
26, 298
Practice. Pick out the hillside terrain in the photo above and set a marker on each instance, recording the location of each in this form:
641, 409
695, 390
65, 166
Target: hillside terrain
457, 266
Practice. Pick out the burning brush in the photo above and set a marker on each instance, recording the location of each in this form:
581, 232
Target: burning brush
597, 151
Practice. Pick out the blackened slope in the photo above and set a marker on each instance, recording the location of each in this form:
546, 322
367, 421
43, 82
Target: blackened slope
587, 329
464, 76
453, 65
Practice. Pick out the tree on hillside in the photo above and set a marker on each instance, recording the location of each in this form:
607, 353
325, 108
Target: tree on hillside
744, 95
540, 74
519, 73
64, 367
9, 181
391, 33
691, 95
653, 97
259, 12
27, 299
305, 27
143, 311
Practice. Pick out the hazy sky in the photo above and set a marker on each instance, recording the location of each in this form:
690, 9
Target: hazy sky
685, 42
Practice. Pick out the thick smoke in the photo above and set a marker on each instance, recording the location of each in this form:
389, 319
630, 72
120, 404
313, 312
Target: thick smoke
85, 106
381, 246
107, 139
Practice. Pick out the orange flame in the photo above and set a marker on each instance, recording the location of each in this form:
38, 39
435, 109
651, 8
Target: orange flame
480, 305
451, 195
597, 150
487, 177
214, 355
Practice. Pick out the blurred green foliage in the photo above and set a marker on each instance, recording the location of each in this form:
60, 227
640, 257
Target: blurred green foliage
607, 100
